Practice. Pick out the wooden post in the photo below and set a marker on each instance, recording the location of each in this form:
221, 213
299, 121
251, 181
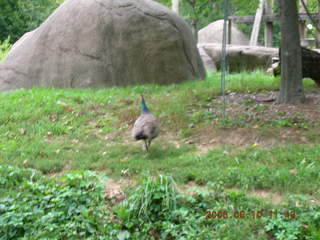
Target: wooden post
229, 38
302, 24
317, 32
268, 31
175, 6
256, 25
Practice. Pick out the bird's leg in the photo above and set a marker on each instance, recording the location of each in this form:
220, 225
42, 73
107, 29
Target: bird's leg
149, 142
146, 145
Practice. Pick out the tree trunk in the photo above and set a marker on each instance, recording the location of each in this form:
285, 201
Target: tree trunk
291, 88
194, 19
194, 29
175, 6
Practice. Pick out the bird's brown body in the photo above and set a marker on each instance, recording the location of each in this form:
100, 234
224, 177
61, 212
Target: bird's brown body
146, 127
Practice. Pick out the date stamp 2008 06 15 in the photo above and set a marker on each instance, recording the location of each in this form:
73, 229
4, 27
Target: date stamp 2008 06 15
254, 214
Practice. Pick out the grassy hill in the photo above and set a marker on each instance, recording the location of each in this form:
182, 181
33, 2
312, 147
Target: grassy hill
244, 155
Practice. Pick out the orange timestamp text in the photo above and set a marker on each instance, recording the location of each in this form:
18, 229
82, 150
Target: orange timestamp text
249, 214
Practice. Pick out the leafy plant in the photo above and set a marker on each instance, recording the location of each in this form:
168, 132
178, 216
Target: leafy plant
40, 208
156, 211
284, 229
303, 222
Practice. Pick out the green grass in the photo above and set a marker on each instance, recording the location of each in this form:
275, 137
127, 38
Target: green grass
73, 207
60, 131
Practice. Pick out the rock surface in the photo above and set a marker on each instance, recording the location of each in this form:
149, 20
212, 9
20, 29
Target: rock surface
104, 43
213, 34
241, 58
207, 61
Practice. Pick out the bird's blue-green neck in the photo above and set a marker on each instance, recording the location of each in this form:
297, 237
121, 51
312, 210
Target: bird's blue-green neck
144, 107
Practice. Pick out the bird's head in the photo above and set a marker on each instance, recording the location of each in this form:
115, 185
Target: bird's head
142, 98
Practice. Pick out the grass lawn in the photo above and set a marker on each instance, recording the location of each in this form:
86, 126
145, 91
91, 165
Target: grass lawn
259, 156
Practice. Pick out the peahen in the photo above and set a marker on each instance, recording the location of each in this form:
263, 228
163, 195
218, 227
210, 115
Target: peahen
146, 127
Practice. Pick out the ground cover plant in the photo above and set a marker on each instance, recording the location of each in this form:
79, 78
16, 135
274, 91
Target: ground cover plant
74, 206
32, 207
261, 156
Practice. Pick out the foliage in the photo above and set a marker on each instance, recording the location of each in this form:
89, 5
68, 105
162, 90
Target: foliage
72, 206
34, 207
153, 197
202, 12
153, 210
199, 13
20, 16
5, 47
305, 224
156, 211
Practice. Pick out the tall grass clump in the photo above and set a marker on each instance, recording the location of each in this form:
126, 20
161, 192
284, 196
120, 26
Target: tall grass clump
155, 210
153, 198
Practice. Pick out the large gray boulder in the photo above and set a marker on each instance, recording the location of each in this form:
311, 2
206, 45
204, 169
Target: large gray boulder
209, 64
214, 31
104, 43
240, 58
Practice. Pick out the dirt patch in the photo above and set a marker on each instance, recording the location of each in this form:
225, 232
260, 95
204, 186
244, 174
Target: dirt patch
187, 188
64, 170
273, 197
257, 120
262, 106
244, 137
114, 190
